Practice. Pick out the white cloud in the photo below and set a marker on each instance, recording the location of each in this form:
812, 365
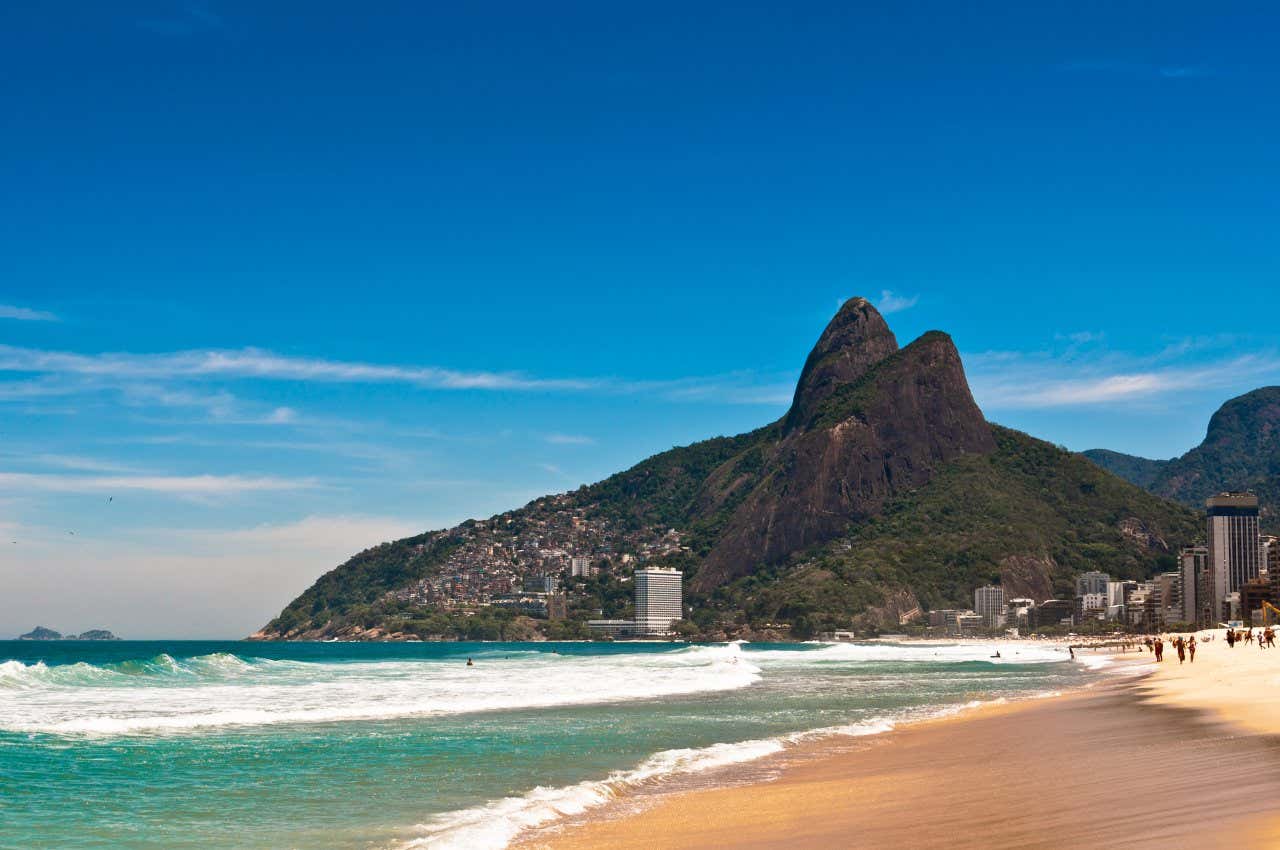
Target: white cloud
257, 363
1012, 381
25, 314
175, 485
569, 440
163, 379
891, 302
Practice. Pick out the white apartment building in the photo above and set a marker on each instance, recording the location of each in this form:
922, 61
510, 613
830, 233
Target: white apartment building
659, 600
988, 603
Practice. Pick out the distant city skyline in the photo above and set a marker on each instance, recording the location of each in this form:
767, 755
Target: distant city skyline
283, 283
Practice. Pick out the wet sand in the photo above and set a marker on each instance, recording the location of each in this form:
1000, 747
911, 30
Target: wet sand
1104, 768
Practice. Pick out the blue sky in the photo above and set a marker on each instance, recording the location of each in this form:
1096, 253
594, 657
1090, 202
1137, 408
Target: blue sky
284, 282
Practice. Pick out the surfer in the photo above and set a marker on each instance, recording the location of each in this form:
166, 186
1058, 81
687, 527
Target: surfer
997, 655
470, 663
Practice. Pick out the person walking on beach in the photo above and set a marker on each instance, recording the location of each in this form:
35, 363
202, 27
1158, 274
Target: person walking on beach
1159, 649
1231, 638
1270, 635
1191, 648
1182, 650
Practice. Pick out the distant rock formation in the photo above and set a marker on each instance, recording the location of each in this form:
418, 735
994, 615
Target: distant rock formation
42, 633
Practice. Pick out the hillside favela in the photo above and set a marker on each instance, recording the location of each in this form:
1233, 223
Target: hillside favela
822, 426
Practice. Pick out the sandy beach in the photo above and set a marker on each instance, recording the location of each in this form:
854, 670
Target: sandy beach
1183, 758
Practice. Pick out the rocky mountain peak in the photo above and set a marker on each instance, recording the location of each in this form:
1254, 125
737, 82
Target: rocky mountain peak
856, 339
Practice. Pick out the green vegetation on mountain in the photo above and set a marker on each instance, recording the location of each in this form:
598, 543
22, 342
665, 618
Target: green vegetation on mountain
1241, 451
1029, 515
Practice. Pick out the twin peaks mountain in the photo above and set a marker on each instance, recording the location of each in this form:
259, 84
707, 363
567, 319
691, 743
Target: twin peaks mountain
1241, 451
883, 492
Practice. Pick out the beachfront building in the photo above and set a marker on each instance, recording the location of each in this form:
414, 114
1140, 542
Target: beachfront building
1092, 582
1168, 598
1118, 597
659, 600
969, 623
1140, 610
1193, 563
612, 628
1017, 612
1252, 594
1235, 545
1053, 612
988, 603
1091, 606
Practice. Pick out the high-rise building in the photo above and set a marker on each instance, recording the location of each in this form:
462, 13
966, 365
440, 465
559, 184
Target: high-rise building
1117, 597
1168, 598
988, 603
1193, 562
659, 600
1092, 582
1235, 547
580, 565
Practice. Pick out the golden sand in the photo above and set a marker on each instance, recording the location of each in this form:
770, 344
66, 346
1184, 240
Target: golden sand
1241, 685
1112, 767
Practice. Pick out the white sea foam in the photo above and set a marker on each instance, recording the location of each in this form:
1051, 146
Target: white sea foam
493, 825
1011, 652
163, 695
168, 695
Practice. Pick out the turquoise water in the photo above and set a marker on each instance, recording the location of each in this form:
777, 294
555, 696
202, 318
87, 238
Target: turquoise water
331, 746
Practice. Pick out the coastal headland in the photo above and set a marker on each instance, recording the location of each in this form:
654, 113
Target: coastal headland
1185, 756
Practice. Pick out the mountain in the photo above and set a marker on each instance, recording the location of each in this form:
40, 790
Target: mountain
1241, 451
881, 492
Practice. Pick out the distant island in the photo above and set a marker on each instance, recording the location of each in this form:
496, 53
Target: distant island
42, 633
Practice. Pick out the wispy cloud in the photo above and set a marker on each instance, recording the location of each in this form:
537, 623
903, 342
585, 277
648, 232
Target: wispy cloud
1136, 69
26, 314
892, 302
134, 370
1019, 381
258, 363
569, 440
174, 485
185, 19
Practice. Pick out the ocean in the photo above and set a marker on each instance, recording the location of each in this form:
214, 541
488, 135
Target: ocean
336, 746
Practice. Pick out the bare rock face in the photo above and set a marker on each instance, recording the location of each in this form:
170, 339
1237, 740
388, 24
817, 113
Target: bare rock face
1027, 577
869, 422
854, 341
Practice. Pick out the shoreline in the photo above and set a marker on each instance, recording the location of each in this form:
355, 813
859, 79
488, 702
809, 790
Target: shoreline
1149, 759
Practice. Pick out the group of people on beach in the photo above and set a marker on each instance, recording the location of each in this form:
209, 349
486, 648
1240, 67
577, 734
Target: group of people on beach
1266, 637
1185, 647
